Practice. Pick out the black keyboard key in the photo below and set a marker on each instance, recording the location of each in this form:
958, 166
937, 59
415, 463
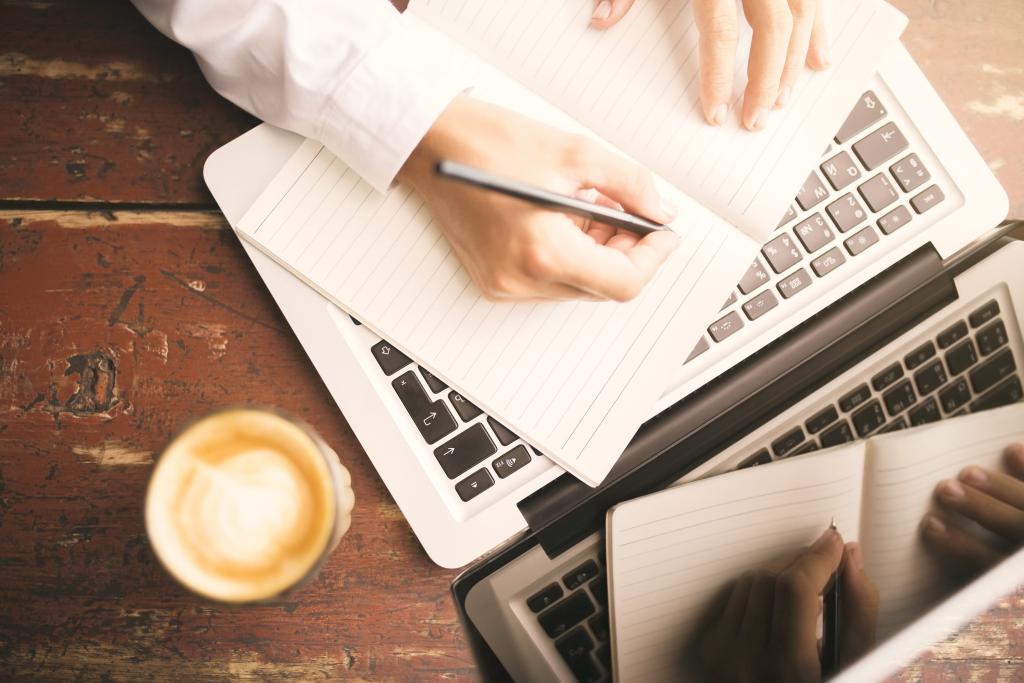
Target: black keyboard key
878, 192
762, 457
580, 575
992, 370
354, 321
504, 434
833, 436
390, 359
544, 598
821, 420
755, 276
992, 337
787, 442
861, 241
894, 220
599, 589
854, 398
760, 304
807, 447
880, 146
867, 112
464, 450
599, 626
510, 462
812, 192
575, 648
894, 426
930, 378
700, 348
955, 396
566, 614
813, 233
781, 253
1003, 395
797, 281
919, 355
476, 483
868, 419
952, 335
436, 385
466, 410
982, 315
432, 418
961, 357
886, 377
604, 655
724, 327
846, 212
910, 173
925, 413
840, 170
827, 262
931, 197
899, 398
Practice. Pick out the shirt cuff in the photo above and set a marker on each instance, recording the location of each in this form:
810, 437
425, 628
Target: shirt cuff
381, 110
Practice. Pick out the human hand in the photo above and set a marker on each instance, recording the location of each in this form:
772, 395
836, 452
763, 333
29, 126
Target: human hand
766, 629
991, 499
787, 35
515, 250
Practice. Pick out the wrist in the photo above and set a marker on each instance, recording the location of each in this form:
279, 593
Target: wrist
440, 140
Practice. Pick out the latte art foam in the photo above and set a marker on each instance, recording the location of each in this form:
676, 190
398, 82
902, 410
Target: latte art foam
241, 506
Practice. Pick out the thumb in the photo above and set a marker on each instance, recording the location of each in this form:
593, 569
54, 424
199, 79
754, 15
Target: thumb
608, 12
859, 608
621, 180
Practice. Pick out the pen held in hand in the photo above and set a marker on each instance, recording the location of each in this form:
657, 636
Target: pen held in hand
830, 615
552, 200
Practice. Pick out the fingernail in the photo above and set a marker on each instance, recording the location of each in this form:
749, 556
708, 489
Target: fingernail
718, 114
759, 120
823, 58
783, 97
1016, 452
603, 10
827, 538
856, 556
933, 524
951, 489
668, 209
974, 475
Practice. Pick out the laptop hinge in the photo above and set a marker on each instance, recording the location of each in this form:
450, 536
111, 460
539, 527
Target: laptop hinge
746, 397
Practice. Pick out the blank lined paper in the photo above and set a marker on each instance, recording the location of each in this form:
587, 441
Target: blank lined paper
636, 85
671, 554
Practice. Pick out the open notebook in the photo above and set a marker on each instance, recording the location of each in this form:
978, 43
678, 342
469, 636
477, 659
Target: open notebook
671, 554
575, 379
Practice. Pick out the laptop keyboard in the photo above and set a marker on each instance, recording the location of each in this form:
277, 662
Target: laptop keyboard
868, 185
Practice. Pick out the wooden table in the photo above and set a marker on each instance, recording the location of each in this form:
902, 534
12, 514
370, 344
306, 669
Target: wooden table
127, 306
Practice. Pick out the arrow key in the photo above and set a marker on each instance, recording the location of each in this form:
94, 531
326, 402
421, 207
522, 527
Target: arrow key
465, 449
474, 484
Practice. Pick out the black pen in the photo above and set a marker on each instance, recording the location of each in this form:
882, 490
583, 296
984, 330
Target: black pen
546, 198
830, 617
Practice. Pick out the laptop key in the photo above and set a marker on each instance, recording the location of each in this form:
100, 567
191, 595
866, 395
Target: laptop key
930, 378
869, 418
833, 436
781, 253
961, 357
992, 370
575, 649
880, 146
821, 420
604, 655
504, 434
840, 170
473, 485
812, 192
432, 418
762, 457
728, 302
894, 426
599, 626
807, 447
910, 173
982, 315
919, 355
846, 212
796, 281
700, 348
599, 589
760, 304
755, 276
867, 112
466, 410
566, 614
544, 598
436, 385
827, 262
854, 398
790, 215
861, 241
514, 460
464, 450
925, 413
878, 192
390, 359
992, 337
954, 396
894, 220
813, 233
580, 575
886, 377
931, 197
1003, 395
899, 398
788, 441
952, 335
726, 326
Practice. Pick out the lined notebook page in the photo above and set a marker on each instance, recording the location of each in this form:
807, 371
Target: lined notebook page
636, 85
901, 472
671, 554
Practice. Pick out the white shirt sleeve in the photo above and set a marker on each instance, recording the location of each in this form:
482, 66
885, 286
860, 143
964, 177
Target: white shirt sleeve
339, 71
